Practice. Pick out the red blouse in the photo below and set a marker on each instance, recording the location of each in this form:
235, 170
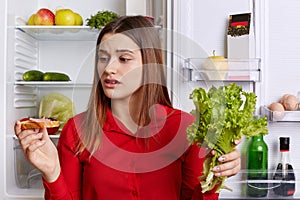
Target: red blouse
131, 166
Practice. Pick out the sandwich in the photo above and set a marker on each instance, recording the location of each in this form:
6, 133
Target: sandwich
52, 125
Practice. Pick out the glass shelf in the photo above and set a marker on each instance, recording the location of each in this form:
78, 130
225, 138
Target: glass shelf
57, 33
53, 84
239, 184
27, 176
63, 33
205, 69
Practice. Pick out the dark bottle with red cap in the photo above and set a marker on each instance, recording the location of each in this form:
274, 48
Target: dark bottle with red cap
284, 172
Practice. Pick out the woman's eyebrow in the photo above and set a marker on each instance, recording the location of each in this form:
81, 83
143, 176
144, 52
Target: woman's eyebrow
124, 50
102, 51
118, 51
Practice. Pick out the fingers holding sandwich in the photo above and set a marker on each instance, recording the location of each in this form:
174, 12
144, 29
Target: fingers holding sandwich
30, 139
33, 133
39, 150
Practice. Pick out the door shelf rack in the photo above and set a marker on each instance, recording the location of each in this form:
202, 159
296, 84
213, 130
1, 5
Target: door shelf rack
227, 70
239, 185
281, 116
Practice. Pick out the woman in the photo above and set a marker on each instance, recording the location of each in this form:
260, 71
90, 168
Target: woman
130, 143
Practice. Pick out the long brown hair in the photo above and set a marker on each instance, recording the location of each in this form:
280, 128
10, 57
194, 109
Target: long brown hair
153, 90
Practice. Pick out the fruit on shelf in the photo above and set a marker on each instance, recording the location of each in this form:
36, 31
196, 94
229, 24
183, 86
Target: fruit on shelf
216, 67
64, 17
30, 21
44, 16
78, 19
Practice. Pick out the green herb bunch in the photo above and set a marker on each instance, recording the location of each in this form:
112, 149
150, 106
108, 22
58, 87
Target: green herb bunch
101, 19
223, 115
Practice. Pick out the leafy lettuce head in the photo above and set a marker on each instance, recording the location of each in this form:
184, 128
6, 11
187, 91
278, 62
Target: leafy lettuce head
57, 106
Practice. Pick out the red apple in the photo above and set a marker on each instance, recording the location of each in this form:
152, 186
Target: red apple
44, 16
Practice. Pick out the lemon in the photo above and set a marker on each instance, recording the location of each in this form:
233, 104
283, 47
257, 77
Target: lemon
65, 17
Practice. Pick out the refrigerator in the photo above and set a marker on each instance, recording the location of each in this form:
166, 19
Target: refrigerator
190, 30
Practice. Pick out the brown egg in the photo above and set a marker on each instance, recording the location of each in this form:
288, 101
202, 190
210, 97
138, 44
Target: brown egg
283, 98
275, 106
290, 102
278, 110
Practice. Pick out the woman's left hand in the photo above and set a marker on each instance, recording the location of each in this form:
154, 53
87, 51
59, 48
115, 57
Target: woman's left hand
231, 163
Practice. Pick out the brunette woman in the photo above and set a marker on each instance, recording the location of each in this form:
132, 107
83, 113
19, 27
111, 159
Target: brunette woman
130, 143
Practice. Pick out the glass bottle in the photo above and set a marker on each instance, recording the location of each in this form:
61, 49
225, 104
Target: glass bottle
284, 171
257, 167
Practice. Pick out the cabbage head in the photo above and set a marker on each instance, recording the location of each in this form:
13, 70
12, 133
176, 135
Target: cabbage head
57, 106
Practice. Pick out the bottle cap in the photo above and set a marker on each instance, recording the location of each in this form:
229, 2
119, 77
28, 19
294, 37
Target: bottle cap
284, 143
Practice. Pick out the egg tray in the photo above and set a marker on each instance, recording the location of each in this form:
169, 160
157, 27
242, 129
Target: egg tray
281, 116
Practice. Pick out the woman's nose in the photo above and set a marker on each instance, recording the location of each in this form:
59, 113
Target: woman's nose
112, 66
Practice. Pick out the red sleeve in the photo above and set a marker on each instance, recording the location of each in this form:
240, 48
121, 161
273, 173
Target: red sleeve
192, 169
68, 184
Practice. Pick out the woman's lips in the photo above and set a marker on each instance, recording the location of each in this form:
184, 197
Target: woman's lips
111, 83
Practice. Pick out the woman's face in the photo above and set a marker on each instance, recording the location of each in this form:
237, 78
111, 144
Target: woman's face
119, 66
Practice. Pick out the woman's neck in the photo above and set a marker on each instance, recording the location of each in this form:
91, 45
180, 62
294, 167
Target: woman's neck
121, 110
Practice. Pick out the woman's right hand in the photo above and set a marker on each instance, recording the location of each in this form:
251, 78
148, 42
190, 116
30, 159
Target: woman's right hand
39, 150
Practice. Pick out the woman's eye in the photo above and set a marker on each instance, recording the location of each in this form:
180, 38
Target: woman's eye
123, 59
104, 59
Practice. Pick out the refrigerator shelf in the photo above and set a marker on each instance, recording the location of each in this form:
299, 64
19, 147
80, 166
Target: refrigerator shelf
26, 175
240, 182
56, 136
53, 84
281, 116
57, 33
231, 70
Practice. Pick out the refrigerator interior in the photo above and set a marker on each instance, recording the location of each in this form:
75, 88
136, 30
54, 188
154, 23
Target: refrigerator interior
56, 49
201, 28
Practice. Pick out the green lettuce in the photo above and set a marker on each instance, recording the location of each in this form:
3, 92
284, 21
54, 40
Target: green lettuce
223, 115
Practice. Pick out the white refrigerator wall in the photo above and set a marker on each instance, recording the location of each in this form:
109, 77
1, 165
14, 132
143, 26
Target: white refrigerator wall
282, 72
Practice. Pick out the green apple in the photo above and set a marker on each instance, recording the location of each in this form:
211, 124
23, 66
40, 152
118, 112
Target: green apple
64, 17
30, 21
78, 19
217, 67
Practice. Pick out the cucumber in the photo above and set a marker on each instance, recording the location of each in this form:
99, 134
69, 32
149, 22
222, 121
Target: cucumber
55, 76
33, 75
